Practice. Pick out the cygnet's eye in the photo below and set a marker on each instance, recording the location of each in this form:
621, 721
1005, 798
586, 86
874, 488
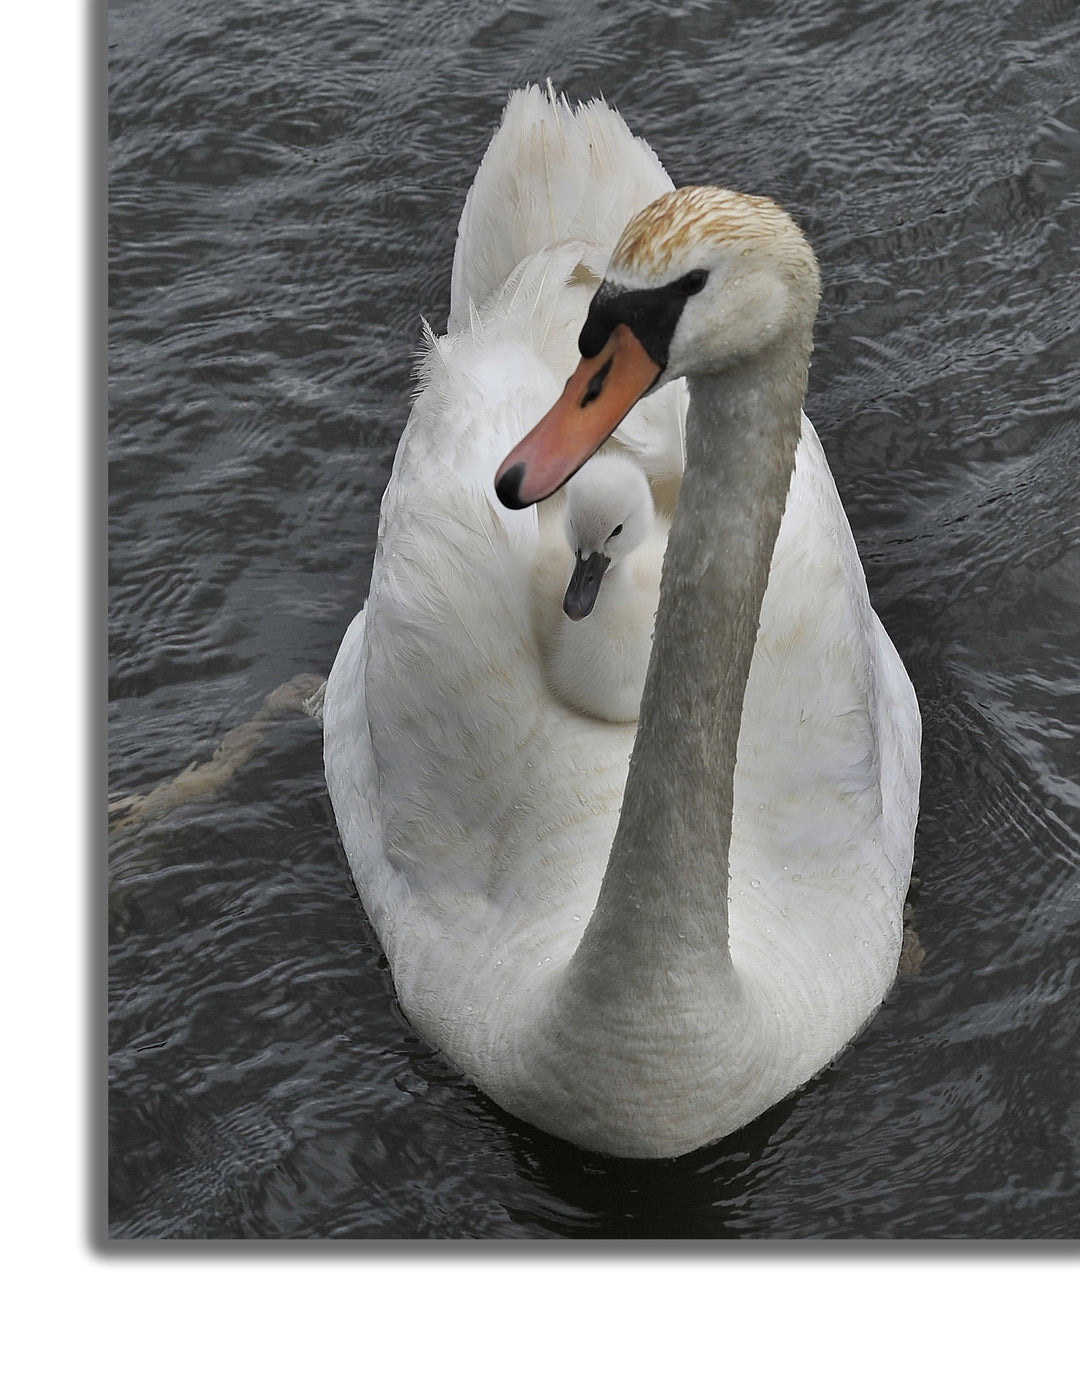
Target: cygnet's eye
615, 532
692, 282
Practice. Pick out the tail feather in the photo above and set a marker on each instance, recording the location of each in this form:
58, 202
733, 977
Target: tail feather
550, 173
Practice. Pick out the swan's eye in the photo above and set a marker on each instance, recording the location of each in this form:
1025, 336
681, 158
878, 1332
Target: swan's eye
693, 282
615, 532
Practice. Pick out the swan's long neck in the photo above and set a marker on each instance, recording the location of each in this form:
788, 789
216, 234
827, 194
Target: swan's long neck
663, 904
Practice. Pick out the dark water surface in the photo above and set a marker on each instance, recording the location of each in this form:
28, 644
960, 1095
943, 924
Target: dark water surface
285, 180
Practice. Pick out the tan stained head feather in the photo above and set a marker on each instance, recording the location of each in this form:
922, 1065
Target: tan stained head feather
662, 235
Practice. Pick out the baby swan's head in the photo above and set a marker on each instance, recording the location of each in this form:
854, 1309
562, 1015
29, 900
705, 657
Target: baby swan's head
609, 513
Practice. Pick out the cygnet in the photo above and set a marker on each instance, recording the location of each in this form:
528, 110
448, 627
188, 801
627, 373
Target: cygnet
600, 649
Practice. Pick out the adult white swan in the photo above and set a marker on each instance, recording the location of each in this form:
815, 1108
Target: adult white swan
639, 963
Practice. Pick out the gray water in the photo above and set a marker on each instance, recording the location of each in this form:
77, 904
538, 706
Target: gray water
284, 184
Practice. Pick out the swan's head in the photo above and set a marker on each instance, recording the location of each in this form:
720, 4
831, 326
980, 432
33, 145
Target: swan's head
705, 277
701, 280
609, 513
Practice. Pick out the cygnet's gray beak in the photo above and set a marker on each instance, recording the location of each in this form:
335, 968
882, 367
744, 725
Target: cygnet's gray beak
584, 585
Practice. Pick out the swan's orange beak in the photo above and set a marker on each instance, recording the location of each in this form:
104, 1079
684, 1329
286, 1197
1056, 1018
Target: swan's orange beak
599, 394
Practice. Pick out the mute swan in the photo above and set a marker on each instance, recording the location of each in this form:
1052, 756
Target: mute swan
747, 922
600, 647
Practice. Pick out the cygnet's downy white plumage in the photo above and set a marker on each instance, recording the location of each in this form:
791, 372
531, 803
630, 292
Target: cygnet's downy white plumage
638, 952
601, 647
